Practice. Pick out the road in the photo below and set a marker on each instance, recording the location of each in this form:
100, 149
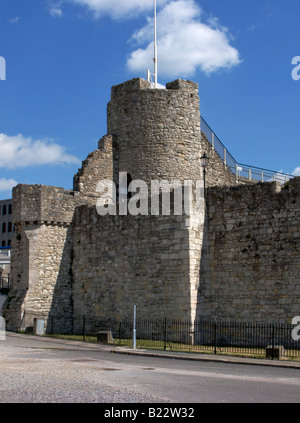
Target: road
38, 369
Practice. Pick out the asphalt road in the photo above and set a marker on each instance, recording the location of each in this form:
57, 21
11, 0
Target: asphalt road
38, 369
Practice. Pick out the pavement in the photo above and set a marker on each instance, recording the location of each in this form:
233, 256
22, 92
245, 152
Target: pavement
45, 369
206, 357
50, 342
285, 363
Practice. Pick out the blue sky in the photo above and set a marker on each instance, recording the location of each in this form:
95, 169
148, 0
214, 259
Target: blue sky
63, 56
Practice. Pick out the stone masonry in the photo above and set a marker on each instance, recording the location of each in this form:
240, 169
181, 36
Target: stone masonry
253, 255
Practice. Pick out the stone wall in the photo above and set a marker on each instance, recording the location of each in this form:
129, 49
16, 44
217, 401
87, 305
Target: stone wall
252, 270
153, 135
97, 166
217, 173
39, 203
41, 282
41, 254
157, 130
122, 261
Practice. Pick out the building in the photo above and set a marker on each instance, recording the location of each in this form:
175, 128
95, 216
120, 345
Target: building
6, 225
5, 259
6, 235
234, 256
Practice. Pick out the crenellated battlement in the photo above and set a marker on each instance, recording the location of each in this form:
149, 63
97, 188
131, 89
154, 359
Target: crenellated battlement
41, 203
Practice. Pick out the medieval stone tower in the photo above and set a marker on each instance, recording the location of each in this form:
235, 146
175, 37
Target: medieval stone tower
153, 134
68, 260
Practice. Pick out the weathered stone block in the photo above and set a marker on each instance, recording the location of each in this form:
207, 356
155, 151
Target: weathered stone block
104, 337
275, 352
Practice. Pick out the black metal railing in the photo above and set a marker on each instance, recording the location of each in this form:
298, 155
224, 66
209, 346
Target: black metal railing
217, 337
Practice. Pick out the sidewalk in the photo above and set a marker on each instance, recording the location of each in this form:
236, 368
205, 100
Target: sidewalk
175, 355
51, 342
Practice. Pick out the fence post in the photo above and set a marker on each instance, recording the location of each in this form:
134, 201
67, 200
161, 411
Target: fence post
273, 339
51, 325
215, 336
120, 325
165, 334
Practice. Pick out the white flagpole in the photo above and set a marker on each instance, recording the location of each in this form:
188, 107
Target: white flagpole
155, 47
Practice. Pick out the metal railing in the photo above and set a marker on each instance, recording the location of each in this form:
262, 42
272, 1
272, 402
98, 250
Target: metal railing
241, 171
213, 337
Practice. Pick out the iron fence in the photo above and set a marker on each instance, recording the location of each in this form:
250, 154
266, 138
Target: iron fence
240, 338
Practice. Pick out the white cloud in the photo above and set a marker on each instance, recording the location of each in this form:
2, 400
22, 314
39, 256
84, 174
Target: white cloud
296, 171
14, 20
55, 8
55, 12
185, 43
118, 8
7, 184
18, 151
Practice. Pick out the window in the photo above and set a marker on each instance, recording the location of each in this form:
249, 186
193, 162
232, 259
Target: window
4, 210
3, 244
3, 227
9, 243
10, 209
9, 229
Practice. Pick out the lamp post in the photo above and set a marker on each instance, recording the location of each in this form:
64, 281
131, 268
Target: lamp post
204, 162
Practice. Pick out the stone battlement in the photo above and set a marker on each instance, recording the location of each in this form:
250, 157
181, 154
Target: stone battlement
40, 203
141, 84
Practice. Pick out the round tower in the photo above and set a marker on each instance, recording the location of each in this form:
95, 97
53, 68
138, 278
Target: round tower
157, 131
